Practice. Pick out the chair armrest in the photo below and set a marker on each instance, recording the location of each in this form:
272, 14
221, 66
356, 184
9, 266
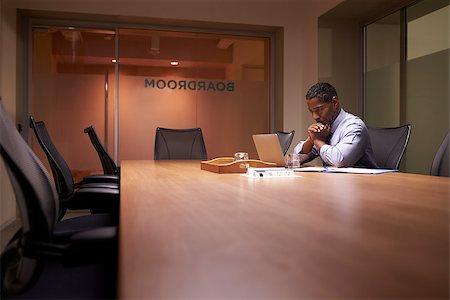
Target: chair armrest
94, 198
103, 185
101, 178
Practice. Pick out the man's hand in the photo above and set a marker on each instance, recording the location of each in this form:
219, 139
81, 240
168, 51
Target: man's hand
318, 132
317, 135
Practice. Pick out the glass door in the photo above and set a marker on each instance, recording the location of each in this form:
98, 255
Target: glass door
73, 88
127, 85
177, 79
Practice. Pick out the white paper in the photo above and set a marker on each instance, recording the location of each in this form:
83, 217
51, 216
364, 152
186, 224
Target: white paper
344, 170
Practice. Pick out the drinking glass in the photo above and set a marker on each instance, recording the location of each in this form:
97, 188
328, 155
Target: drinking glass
293, 160
241, 156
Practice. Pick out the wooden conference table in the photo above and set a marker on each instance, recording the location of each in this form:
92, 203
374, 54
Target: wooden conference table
192, 234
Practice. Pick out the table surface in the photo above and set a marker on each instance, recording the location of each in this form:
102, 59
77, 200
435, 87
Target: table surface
186, 233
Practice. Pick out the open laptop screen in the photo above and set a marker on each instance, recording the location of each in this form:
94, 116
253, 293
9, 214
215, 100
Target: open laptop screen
269, 148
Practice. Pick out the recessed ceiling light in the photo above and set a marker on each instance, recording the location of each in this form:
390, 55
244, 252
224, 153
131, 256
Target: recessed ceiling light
174, 63
113, 60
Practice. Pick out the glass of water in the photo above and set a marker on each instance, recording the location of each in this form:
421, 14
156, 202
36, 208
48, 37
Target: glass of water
293, 160
241, 156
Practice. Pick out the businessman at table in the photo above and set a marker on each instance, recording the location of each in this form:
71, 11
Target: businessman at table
338, 137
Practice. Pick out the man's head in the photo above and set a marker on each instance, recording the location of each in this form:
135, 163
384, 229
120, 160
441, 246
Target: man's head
323, 103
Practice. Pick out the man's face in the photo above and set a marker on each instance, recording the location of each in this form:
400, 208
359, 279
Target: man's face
323, 112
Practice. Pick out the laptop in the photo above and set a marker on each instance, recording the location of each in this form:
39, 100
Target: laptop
269, 148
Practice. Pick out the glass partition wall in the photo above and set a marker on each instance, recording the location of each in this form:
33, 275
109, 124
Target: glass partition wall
427, 81
185, 80
406, 78
382, 74
128, 82
73, 88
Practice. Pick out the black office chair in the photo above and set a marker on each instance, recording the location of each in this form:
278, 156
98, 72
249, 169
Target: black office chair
108, 164
389, 145
441, 161
99, 197
285, 139
171, 144
33, 262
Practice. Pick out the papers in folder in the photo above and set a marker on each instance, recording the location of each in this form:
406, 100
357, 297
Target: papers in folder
344, 170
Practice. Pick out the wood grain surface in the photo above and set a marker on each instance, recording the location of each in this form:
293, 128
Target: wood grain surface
186, 233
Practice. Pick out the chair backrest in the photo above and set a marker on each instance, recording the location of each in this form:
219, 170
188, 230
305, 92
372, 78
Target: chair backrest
38, 205
179, 144
285, 139
441, 161
389, 145
108, 164
61, 172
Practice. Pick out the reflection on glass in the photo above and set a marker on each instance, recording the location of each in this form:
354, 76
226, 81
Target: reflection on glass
171, 79
220, 84
382, 74
70, 70
427, 81
428, 29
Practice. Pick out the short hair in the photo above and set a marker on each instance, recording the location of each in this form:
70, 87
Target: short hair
322, 91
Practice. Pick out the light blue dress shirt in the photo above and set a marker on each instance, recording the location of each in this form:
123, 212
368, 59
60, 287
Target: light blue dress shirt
349, 145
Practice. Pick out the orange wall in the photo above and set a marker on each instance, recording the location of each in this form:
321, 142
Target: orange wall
75, 102
69, 81
227, 119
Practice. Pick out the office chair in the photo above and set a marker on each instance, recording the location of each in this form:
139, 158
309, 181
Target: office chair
389, 145
441, 161
183, 144
108, 164
99, 197
33, 262
285, 139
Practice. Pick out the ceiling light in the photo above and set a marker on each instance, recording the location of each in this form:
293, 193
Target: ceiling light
174, 63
